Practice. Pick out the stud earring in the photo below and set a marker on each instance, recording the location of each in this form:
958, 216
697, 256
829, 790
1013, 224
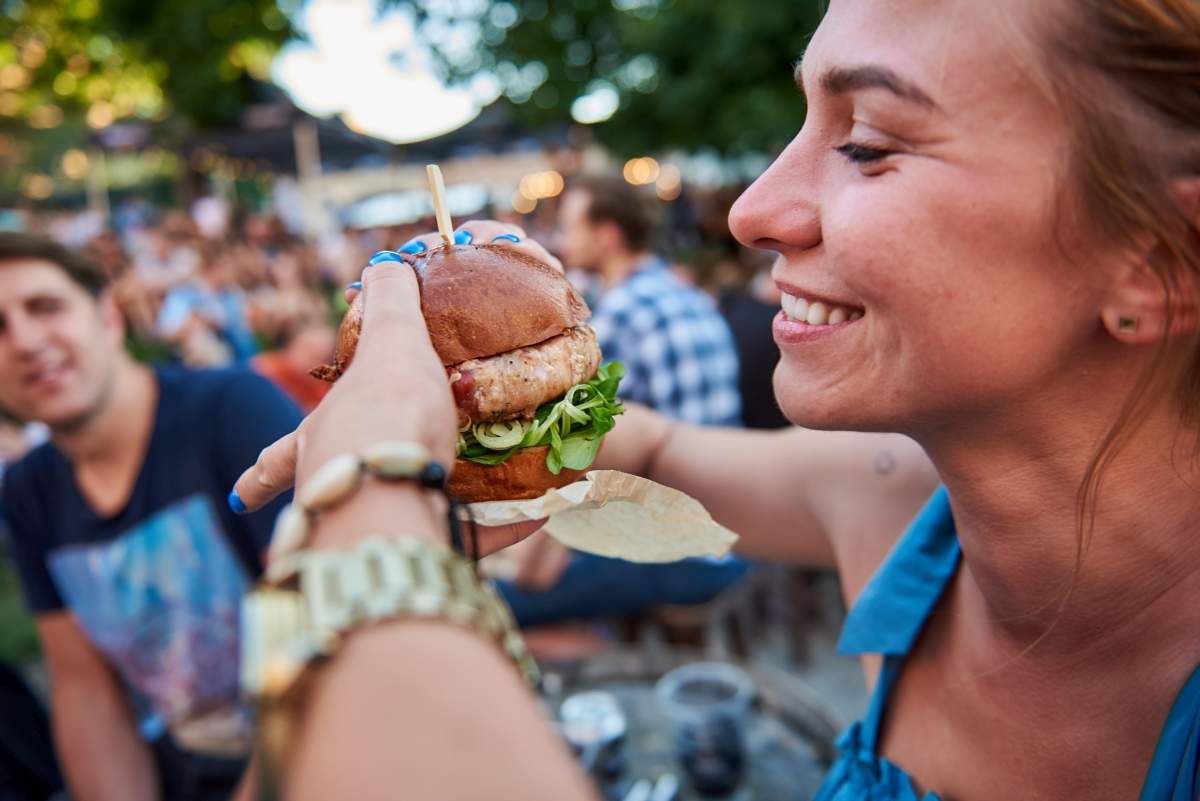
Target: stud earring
1127, 324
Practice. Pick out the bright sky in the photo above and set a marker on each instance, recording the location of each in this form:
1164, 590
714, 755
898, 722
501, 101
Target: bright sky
371, 70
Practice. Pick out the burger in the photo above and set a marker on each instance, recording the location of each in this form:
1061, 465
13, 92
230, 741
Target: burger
524, 368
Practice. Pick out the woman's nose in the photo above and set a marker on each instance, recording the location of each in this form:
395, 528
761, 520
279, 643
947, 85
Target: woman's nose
779, 210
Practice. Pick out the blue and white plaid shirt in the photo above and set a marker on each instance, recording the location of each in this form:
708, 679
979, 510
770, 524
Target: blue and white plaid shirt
679, 354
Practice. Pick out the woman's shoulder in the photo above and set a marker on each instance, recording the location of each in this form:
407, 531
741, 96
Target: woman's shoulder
866, 490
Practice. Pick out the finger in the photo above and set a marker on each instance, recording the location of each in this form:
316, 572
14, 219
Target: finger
495, 538
391, 300
419, 245
489, 232
273, 473
483, 231
352, 291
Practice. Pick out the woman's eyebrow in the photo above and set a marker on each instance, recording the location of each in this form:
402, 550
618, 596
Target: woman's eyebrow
842, 80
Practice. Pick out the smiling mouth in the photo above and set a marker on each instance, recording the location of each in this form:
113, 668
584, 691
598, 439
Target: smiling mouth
816, 312
45, 375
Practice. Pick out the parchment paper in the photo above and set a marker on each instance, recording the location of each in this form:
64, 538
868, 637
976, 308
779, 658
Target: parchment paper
611, 513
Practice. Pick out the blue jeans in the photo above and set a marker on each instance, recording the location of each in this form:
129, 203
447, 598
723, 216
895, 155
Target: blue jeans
597, 586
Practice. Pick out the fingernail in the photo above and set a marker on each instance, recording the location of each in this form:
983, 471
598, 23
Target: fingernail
463, 238
354, 285
414, 247
506, 238
385, 255
236, 503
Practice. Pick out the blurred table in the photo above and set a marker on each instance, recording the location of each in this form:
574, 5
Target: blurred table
789, 737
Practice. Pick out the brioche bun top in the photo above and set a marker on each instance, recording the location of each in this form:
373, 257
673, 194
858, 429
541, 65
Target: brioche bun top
480, 301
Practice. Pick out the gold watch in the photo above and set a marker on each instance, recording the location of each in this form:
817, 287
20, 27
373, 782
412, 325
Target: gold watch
317, 597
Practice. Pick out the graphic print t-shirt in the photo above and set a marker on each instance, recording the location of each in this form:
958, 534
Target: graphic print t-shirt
157, 586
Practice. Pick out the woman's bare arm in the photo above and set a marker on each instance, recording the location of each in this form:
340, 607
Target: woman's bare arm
810, 497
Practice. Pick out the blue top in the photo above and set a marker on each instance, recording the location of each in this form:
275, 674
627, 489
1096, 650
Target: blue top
888, 617
157, 586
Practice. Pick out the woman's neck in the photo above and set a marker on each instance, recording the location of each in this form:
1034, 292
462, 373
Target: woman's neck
1040, 576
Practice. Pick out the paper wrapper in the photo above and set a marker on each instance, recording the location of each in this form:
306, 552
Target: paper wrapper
615, 514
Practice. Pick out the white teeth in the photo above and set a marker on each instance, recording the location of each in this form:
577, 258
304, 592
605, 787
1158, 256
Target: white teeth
818, 314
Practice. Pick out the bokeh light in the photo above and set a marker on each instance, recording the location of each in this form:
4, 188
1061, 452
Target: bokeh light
640, 171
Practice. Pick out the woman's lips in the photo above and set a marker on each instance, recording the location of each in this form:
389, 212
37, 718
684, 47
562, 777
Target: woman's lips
794, 332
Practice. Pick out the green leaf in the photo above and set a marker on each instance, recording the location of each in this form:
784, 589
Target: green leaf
579, 453
554, 462
571, 427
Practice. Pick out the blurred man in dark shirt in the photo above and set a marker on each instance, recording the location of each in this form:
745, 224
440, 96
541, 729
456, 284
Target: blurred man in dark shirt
129, 556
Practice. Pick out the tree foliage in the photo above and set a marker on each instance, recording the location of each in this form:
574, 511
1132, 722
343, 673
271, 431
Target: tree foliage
119, 59
691, 74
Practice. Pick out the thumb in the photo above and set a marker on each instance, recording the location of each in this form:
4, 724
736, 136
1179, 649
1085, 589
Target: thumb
273, 473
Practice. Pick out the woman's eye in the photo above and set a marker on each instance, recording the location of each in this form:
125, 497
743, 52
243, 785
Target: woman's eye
861, 154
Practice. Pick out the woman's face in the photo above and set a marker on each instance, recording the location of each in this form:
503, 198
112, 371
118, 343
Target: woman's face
922, 198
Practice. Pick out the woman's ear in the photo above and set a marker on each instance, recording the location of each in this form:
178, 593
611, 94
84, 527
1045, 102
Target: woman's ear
1143, 297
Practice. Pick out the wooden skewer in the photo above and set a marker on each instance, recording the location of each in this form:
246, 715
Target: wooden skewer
437, 187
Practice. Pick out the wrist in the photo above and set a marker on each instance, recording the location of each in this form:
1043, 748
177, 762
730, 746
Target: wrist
380, 507
660, 430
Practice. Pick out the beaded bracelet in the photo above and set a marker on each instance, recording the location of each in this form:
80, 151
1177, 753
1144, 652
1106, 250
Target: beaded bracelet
341, 477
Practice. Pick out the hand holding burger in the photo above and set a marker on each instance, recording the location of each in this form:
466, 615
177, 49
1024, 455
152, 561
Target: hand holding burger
532, 401
495, 343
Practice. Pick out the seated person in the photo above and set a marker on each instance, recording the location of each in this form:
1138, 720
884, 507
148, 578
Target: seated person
130, 558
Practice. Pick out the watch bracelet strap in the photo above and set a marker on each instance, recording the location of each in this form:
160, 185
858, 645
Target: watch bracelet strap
330, 593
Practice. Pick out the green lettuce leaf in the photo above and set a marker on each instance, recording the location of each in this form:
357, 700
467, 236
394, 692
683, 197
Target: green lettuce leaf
572, 426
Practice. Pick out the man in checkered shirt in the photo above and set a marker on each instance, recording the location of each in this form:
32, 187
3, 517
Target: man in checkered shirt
679, 354
676, 347
680, 359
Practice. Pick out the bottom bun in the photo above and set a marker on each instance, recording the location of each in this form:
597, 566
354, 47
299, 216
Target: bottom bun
522, 475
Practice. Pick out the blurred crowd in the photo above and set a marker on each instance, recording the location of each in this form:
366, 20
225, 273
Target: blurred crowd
210, 286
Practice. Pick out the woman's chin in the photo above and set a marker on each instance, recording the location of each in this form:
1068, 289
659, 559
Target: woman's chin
823, 407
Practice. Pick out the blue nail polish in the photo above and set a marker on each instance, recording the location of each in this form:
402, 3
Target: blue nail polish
506, 238
236, 503
463, 238
385, 255
414, 247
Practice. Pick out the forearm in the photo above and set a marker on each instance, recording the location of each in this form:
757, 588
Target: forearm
753, 482
424, 709
102, 755
427, 710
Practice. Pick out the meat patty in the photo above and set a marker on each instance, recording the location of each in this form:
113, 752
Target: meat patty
514, 384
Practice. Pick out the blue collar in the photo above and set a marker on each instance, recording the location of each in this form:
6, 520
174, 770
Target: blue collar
891, 611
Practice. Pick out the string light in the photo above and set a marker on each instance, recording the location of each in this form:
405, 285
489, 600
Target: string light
540, 185
37, 186
641, 171
100, 115
75, 164
13, 76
